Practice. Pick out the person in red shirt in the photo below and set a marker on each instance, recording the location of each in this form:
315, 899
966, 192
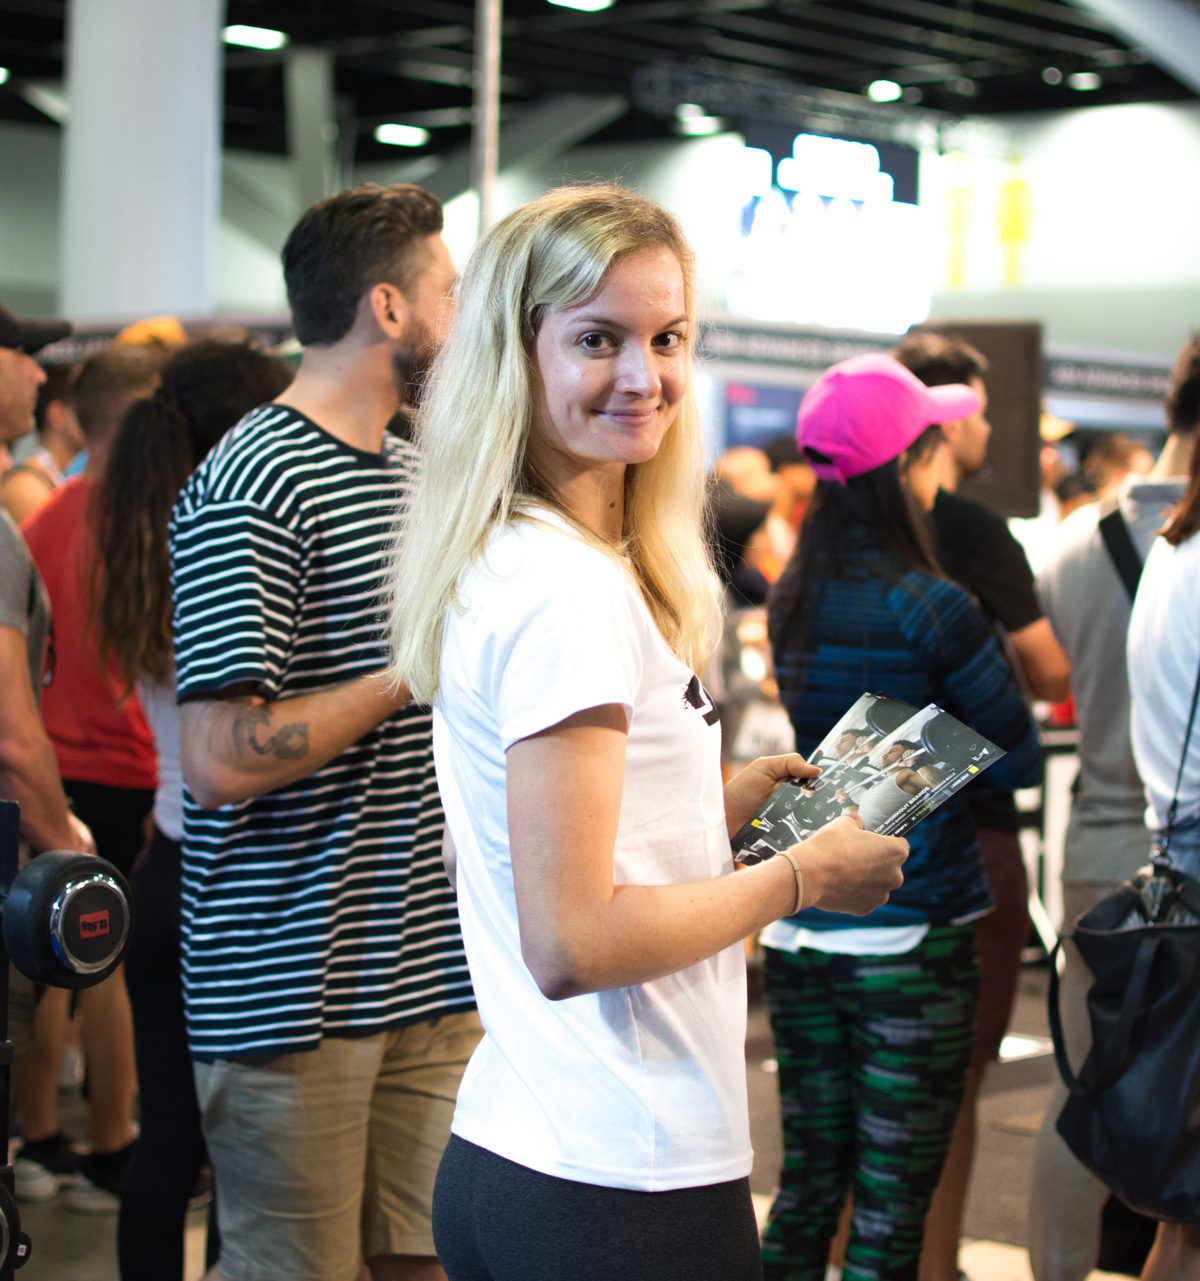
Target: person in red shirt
106, 757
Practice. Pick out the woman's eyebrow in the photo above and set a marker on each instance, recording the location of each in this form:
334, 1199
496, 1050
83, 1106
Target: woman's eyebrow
591, 318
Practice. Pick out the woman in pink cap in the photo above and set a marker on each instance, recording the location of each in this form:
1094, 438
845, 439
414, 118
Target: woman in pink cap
874, 1017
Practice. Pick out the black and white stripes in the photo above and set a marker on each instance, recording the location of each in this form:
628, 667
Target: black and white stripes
320, 909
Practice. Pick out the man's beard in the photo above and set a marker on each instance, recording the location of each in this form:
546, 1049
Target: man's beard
412, 364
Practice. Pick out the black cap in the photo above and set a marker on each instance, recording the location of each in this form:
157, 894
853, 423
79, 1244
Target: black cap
30, 335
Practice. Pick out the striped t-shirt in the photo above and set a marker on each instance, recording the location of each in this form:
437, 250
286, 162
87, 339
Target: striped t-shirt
321, 909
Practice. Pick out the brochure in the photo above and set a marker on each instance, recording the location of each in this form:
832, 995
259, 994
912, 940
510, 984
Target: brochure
885, 761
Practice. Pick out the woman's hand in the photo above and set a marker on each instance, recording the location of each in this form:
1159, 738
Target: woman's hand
848, 869
746, 792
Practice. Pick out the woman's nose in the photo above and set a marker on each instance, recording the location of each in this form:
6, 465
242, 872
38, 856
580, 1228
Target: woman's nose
639, 372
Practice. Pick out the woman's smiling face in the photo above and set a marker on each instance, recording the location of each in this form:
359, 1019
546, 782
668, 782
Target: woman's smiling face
611, 372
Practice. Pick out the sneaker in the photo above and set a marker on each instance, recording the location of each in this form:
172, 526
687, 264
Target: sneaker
97, 1186
41, 1168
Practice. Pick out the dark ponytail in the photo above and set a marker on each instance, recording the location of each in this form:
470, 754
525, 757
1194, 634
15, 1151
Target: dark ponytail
872, 511
206, 387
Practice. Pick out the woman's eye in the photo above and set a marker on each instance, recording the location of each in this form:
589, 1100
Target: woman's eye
669, 340
594, 342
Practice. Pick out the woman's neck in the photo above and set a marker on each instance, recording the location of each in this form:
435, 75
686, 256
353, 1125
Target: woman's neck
594, 497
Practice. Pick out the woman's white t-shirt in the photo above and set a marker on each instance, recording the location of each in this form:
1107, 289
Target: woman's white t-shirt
638, 1087
162, 713
1163, 654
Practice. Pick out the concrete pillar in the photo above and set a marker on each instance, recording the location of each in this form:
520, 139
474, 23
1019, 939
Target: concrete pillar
141, 162
312, 123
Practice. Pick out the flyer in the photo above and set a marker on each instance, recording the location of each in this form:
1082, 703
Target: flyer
885, 761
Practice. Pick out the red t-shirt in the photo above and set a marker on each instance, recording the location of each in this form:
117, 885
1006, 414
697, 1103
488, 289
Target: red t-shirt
99, 735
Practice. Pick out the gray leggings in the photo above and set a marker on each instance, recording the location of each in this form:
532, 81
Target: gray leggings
494, 1220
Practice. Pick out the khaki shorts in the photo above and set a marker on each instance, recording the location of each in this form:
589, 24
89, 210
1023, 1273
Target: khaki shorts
326, 1158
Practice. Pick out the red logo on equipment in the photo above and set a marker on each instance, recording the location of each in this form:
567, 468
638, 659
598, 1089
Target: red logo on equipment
93, 924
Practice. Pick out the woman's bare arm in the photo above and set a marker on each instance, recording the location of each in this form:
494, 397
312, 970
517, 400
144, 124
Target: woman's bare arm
581, 933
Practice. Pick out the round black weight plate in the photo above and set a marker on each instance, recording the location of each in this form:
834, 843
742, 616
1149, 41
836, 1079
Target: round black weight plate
886, 716
66, 919
947, 739
89, 922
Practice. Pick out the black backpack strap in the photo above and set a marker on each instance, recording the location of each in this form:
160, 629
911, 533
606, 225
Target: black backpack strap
1119, 544
1070, 1080
1164, 844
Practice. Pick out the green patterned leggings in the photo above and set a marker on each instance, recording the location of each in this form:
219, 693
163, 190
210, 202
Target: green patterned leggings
873, 1054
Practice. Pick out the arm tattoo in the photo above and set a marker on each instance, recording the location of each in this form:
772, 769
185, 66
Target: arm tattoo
287, 743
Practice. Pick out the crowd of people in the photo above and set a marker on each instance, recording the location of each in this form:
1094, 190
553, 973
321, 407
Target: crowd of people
379, 674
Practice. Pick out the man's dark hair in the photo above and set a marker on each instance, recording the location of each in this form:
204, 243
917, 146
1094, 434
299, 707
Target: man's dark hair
1183, 391
103, 383
56, 387
782, 451
937, 359
924, 445
347, 243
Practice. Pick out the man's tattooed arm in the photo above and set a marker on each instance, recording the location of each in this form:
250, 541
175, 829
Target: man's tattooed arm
252, 732
242, 745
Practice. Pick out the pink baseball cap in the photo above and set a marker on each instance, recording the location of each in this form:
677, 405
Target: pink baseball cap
865, 411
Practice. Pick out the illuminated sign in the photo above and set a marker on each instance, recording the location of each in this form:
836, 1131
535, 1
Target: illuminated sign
823, 241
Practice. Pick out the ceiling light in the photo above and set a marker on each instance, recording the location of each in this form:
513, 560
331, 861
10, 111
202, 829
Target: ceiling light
396, 135
585, 6
884, 91
3, 75
689, 111
254, 37
964, 87
1052, 76
700, 126
1084, 80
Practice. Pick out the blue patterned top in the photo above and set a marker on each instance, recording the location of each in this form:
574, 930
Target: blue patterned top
923, 639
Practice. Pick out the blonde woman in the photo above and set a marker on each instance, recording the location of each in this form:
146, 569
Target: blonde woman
553, 600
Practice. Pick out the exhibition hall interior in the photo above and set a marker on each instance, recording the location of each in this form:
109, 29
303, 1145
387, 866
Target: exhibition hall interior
1020, 176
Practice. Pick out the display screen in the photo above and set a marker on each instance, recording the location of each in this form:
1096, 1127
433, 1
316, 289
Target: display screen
830, 234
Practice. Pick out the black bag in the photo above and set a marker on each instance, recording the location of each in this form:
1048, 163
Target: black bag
1133, 1115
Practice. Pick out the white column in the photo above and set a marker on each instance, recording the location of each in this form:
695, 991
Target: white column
312, 123
141, 161
485, 111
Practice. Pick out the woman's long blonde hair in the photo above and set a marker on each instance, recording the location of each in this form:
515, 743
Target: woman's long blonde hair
473, 430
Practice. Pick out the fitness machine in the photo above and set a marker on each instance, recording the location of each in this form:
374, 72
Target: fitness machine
66, 920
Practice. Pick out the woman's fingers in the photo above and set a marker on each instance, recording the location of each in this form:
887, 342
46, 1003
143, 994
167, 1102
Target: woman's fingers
854, 870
